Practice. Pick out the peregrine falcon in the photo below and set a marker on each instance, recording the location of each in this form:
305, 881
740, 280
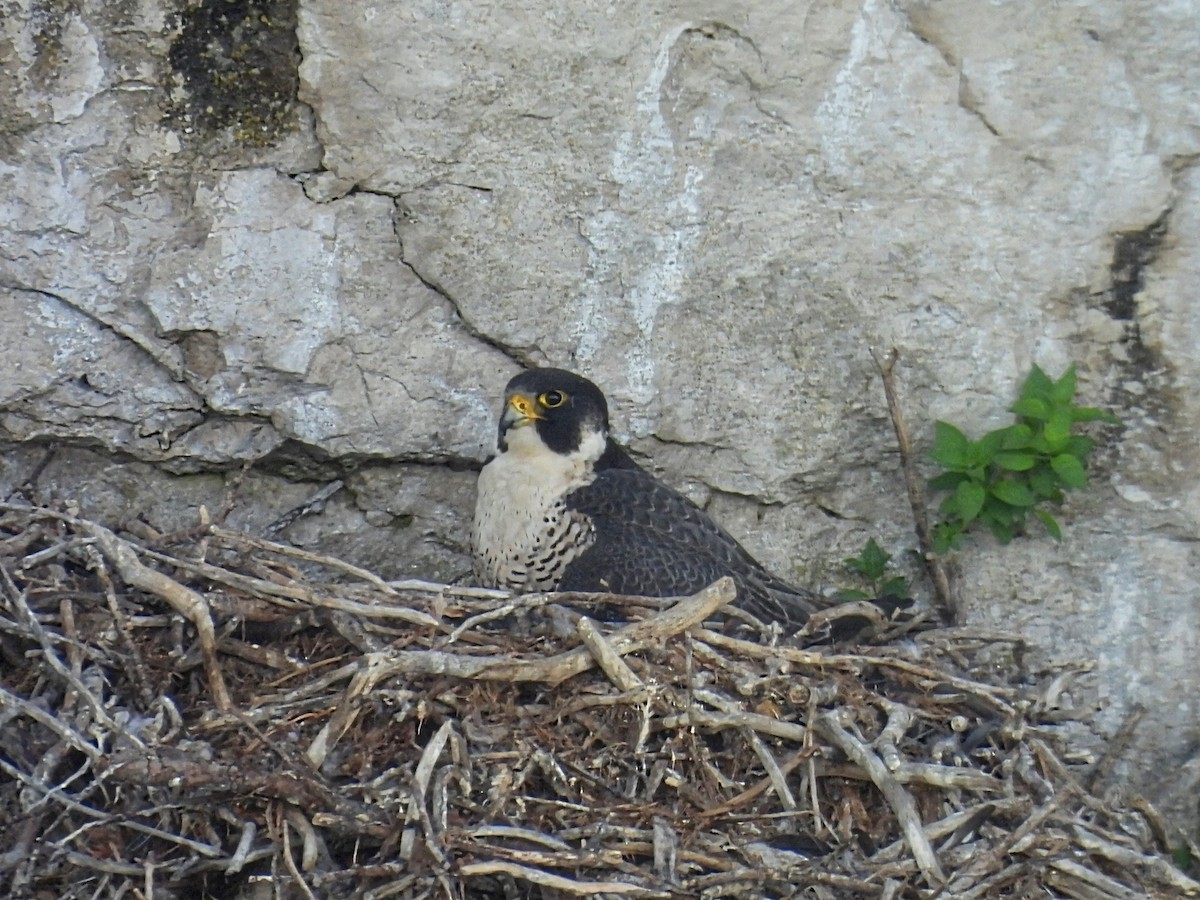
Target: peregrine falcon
562, 507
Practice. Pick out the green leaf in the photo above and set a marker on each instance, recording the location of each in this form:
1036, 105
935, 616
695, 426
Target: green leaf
1058, 428
1070, 470
852, 594
871, 562
1013, 493
1016, 437
950, 446
969, 498
986, 448
947, 481
1182, 857
1050, 522
1015, 462
854, 564
874, 559
1039, 444
947, 536
951, 508
1032, 408
1079, 446
896, 587
1045, 484
1037, 384
1063, 390
998, 511
1092, 414
1004, 533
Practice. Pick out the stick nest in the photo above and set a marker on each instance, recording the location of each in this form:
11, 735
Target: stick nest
211, 714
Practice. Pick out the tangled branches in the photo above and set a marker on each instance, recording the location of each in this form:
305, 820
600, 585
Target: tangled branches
206, 711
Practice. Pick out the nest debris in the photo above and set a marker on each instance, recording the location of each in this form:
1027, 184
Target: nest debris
209, 714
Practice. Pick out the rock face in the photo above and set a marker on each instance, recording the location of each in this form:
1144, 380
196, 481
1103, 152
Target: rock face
318, 237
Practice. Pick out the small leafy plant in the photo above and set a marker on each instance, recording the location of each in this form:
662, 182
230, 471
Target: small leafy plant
871, 566
998, 480
1184, 860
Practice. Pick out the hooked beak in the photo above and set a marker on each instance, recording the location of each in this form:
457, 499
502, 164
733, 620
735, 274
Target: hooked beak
519, 411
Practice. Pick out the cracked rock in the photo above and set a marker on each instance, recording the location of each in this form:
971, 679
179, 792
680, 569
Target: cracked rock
319, 237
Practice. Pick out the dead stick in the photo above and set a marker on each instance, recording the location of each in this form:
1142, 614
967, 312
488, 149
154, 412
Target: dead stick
796, 759
990, 860
375, 666
610, 662
901, 802
549, 879
183, 600
916, 490
124, 558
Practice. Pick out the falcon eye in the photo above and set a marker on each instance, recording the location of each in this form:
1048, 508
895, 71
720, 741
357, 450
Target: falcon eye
552, 399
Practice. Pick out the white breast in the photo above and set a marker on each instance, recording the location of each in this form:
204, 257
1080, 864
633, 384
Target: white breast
524, 535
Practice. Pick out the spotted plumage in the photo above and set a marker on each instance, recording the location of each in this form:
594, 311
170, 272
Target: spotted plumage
562, 507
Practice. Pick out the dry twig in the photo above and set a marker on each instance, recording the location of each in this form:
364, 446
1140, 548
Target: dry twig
660, 758
942, 586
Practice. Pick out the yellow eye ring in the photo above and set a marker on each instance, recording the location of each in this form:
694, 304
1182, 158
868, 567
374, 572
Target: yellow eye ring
552, 399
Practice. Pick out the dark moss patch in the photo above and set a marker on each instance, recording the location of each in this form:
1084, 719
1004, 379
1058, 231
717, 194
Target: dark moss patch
1146, 393
1133, 252
235, 71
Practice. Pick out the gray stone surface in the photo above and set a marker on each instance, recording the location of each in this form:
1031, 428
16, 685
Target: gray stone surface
320, 236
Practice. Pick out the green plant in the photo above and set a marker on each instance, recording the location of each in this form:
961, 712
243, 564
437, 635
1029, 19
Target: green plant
1183, 858
871, 566
1008, 473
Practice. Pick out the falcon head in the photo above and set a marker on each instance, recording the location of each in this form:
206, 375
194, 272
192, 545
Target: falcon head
555, 410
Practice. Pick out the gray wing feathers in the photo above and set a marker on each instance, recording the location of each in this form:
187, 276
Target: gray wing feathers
653, 541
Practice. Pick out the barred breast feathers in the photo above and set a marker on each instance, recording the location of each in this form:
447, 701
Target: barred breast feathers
523, 534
